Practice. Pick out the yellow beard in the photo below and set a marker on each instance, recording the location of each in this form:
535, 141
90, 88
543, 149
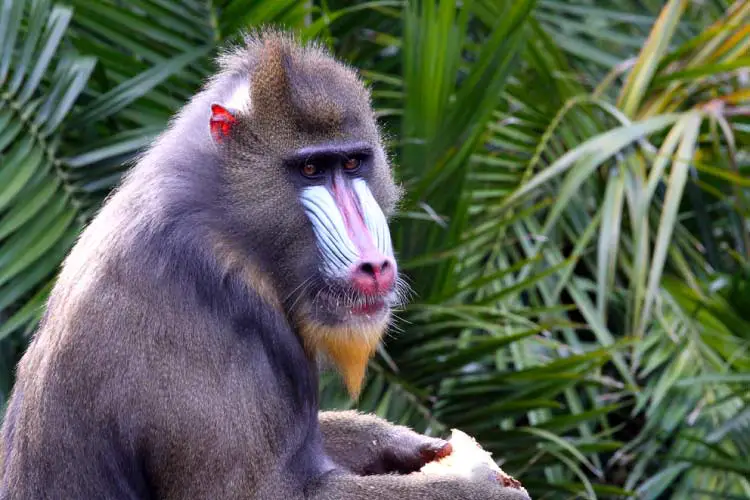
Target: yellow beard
349, 348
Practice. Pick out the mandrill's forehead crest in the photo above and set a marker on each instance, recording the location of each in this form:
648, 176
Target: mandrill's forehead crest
298, 94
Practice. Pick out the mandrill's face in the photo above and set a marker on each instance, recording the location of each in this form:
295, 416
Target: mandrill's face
308, 156
355, 280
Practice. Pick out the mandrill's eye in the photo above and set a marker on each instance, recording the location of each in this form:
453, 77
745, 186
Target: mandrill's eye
352, 165
311, 170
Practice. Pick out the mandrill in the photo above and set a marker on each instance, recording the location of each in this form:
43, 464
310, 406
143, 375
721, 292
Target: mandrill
177, 355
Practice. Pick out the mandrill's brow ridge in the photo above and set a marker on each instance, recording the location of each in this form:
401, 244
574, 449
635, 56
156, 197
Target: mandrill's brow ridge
318, 150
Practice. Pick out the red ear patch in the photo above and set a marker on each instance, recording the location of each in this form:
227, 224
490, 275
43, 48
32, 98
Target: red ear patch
221, 122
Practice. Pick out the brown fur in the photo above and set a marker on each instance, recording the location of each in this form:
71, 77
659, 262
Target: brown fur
232, 259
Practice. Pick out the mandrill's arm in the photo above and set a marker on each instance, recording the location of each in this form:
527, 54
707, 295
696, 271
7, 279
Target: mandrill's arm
366, 444
338, 485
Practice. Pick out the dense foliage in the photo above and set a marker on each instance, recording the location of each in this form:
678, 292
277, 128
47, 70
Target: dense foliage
576, 229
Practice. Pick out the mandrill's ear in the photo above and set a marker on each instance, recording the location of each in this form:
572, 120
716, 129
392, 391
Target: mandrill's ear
221, 122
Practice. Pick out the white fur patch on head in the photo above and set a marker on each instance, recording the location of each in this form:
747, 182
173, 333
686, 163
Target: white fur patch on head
239, 100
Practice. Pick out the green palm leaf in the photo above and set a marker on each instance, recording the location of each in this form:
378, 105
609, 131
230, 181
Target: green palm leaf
574, 232
41, 81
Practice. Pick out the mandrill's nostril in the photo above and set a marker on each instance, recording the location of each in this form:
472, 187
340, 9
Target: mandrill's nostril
374, 276
368, 268
374, 269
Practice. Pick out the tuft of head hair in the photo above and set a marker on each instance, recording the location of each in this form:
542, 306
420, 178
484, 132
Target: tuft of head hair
297, 88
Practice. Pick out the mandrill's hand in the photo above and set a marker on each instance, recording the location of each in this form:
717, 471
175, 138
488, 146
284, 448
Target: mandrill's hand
404, 451
367, 445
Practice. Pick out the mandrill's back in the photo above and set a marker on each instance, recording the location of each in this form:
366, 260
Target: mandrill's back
72, 384
144, 374
83, 370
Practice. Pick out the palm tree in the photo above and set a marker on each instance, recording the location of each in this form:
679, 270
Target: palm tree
575, 230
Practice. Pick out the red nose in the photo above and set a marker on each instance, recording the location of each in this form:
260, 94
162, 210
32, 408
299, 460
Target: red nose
374, 276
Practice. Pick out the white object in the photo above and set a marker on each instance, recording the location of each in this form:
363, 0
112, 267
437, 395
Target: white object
470, 461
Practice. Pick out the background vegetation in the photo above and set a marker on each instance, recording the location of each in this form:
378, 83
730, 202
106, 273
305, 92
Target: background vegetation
576, 231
